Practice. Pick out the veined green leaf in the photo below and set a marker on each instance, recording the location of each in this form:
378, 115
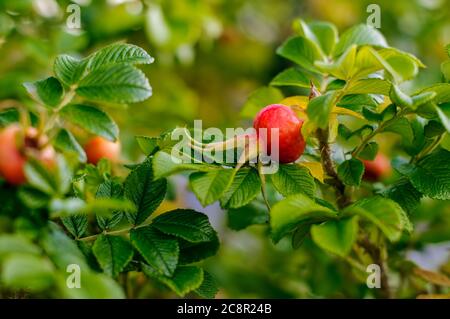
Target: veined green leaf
113, 253
336, 236
245, 187
92, 120
301, 51
294, 210
121, 83
210, 186
48, 92
293, 179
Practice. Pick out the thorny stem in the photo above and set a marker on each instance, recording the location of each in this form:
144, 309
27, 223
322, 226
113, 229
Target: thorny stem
327, 162
328, 166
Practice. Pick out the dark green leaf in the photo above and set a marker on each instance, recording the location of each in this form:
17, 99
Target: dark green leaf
210, 186
119, 53
76, 224
301, 51
293, 179
113, 253
146, 193
66, 142
351, 172
48, 92
69, 69
184, 280
92, 120
159, 250
254, 213
208, 288
120, 83
187, 224
245, 187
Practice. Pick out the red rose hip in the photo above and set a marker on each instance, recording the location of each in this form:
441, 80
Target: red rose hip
378, 168
98, 148
282, 117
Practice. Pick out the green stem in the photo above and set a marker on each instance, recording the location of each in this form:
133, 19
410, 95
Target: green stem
54, 116
379, 129
427, 150
114, 232
263, 185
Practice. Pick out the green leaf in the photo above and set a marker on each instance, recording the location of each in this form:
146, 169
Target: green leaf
69, 69
404, 193
195, 252
300, 235
319, 108
431, 175
291, 77
369, 151
76, 224
259, 99
185, 223
27, 272
292, 179
210, 186
254, 213
113, 253
336, 236
301, 51
119, 53
326, 34
33, 198
8, 116
343, 67
48, 92
159, 250
146, 193
208, 288
443, 112
66, 142
184, 280
351, 172
442, 91
445, 69
109, 189
61, 249
15, 243
402, 127
164, 165
361, 34
120, 83
400, 98
92, 120
245, 187
369, 86
40, 178
288, 214
386, 214
148, 145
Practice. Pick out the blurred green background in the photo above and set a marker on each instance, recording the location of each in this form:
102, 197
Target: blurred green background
210, 55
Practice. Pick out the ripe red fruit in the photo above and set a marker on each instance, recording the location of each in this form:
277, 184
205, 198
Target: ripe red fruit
98, 148
13, 152
291, 142
378, 168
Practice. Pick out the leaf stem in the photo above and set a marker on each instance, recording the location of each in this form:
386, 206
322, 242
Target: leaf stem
427, 150
263, 185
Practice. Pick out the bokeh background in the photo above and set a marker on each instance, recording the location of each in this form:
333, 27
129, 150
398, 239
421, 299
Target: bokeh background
209, 56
